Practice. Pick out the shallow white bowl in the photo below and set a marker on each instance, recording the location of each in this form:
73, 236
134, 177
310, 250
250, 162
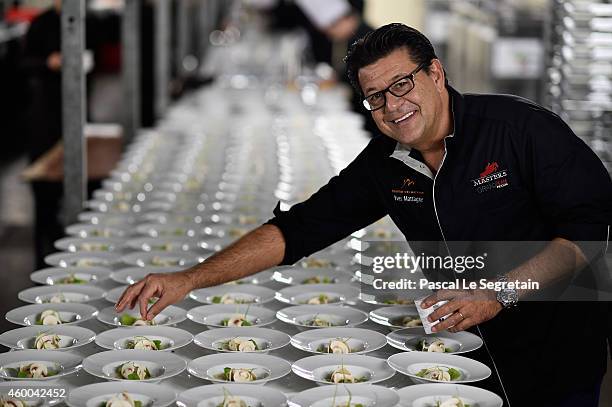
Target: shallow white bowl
166, 244
301, 276
392, 316
425, 395
212, 315
266, 367
132, 275
318, 368
89, 244
300, 294
460, 342
171, 338
75, 293
247, 293
167, 229
64, 363
71, 337
369, 395
161, 365
212, 395
169, 316
82, 259
54, 275
89, 230
359, 340
266, 339
156, 259
94, 395
410, 363
73, 313
338, 316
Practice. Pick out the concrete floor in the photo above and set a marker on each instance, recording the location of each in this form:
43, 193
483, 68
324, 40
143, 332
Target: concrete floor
17, 261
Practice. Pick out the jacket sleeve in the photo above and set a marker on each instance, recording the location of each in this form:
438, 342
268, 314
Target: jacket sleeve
349, 202
572, 186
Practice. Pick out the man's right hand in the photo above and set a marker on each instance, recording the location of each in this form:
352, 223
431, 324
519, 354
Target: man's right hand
170, 288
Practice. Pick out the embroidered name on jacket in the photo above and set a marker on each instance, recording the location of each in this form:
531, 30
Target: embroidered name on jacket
405, 192
491, 178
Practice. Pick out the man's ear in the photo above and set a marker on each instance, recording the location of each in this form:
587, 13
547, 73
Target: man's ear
436, 72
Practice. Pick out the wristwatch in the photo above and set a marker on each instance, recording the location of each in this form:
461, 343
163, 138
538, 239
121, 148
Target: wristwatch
507, 297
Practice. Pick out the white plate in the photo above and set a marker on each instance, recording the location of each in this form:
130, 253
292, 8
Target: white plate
161, 365
303, 315
265, 367
212, 315
169, 316
301, 276
393, 316
212, 395
425, 395
71, 337
6, 387
132, 275
335, 259
106, 219
82, 259
162, 259
410, 363
89, 230
301, 294
114, 294
320, 367
358, 340
94, 395
266, 339
73, 313
166, 244
225, 233
55, 275
368, 395
89, 244
243, 294
167, 229
460, 342
61, 292
171, 338
63, 363
257, 278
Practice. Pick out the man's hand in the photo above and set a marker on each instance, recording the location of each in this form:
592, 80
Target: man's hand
54, 61
466, 308
170, 288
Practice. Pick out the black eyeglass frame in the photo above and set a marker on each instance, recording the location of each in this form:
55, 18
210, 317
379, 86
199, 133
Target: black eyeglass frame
410, 77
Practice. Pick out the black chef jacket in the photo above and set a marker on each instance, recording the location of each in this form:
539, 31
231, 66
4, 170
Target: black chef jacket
513, 171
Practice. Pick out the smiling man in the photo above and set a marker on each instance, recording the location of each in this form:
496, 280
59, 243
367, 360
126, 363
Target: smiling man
454, 167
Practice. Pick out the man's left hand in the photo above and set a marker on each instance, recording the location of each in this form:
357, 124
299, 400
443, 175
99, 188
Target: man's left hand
466, 308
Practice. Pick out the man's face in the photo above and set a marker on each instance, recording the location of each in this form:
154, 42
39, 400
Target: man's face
414, 119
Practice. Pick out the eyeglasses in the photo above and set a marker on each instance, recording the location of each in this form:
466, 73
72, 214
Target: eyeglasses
398, 88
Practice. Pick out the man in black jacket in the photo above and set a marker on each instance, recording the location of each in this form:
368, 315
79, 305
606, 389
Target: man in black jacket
452, 167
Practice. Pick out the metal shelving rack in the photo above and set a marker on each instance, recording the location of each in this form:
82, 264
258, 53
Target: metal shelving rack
579, 70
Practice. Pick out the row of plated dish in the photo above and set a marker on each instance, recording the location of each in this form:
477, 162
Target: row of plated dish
215, 169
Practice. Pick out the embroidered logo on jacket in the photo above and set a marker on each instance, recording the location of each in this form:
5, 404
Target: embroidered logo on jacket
405, 191
491, 178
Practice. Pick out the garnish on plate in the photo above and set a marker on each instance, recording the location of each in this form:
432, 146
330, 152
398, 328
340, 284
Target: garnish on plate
439, 373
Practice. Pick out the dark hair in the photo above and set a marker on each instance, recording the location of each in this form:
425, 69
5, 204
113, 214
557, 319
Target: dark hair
383, 41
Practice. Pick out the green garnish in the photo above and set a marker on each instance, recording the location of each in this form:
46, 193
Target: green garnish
216, 299
227, 373
454, 373
127, 319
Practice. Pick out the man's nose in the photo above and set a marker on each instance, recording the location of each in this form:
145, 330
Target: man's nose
392, 102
